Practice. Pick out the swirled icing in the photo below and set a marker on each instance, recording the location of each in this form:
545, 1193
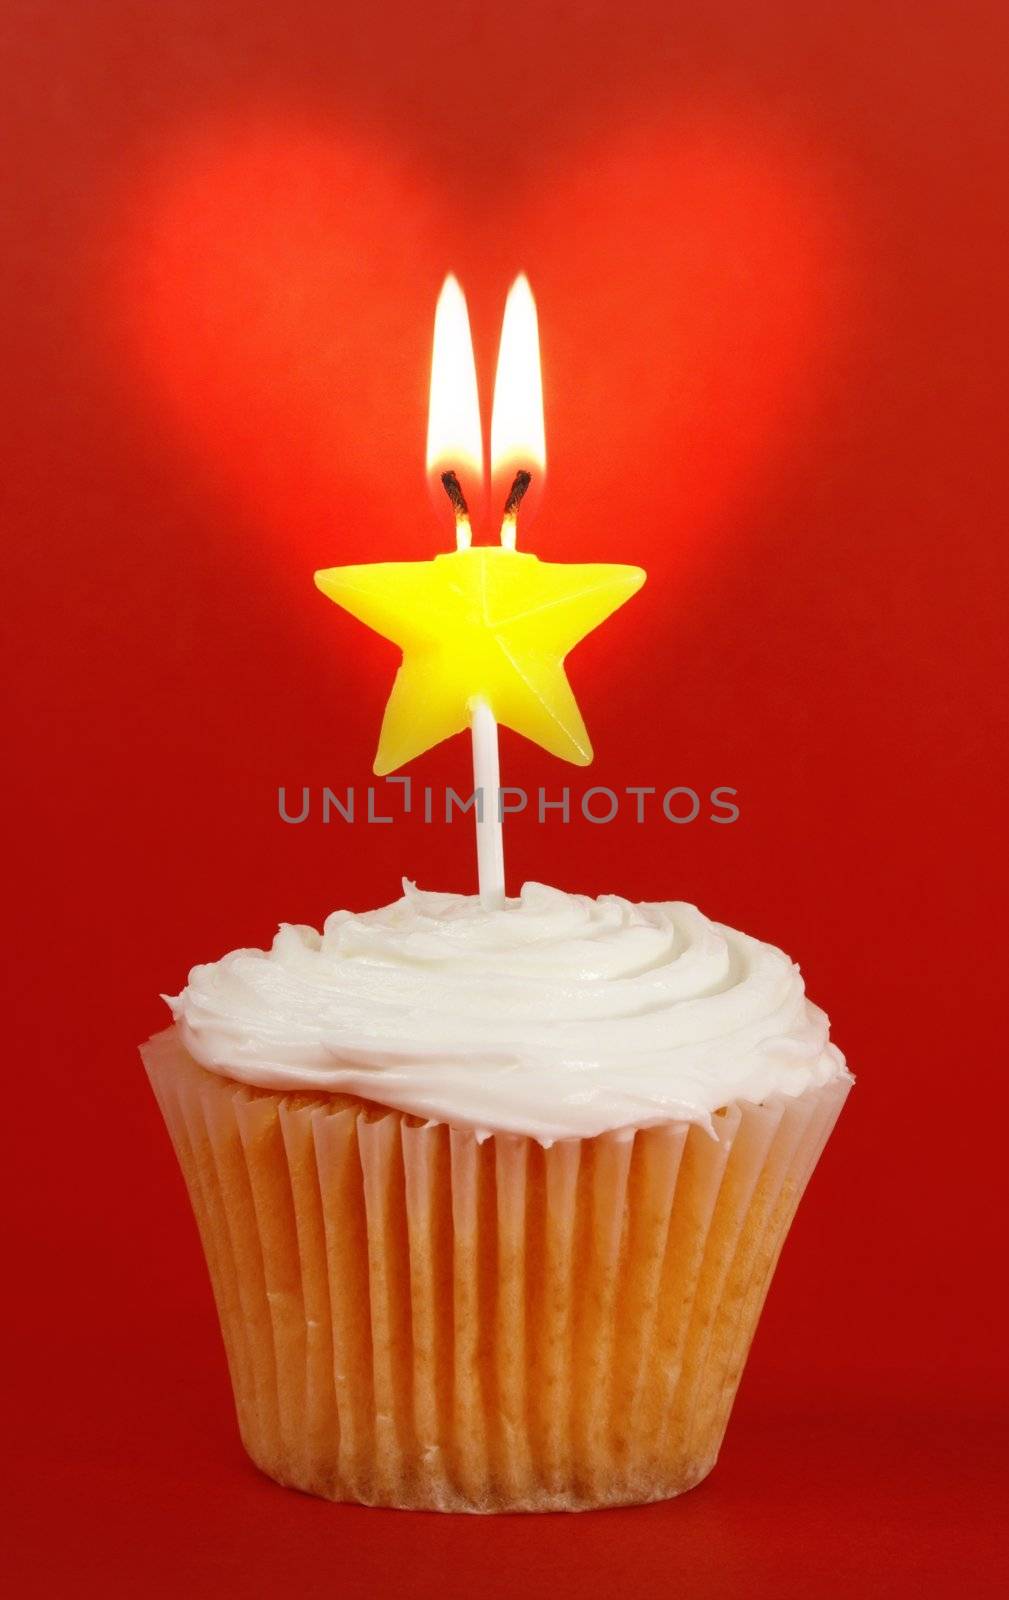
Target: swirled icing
560, 1016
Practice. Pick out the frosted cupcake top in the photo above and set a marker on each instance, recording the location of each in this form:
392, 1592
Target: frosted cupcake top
560, 1016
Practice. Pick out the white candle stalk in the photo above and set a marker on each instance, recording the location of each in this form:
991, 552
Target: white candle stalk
487, 808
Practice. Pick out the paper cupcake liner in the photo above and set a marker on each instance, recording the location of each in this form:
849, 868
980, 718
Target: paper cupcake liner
414, 1318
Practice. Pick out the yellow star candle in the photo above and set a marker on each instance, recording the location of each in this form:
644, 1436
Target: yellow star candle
484, 630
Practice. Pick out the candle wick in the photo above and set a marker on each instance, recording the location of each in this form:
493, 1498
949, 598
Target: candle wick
509, 522
520, 484
453, 488
463, 531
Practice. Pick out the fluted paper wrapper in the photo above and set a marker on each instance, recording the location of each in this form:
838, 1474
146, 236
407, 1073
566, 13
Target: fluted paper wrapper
416, 1318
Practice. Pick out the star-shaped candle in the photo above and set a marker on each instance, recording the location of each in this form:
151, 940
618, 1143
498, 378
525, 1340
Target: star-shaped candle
484, 629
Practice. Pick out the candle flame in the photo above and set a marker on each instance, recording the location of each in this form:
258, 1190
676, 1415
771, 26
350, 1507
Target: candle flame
517, 433
454, 437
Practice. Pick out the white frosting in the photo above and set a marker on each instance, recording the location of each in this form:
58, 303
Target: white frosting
560, 1016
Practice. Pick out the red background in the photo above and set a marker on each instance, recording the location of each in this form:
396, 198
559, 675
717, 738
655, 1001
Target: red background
769, 249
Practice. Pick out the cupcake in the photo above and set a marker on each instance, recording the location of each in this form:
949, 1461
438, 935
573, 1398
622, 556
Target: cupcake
491, 1200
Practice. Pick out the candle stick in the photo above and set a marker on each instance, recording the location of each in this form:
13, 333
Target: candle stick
486, 755
487, 788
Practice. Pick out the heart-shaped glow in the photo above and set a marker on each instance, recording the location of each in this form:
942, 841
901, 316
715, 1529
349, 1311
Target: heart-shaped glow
278, 283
